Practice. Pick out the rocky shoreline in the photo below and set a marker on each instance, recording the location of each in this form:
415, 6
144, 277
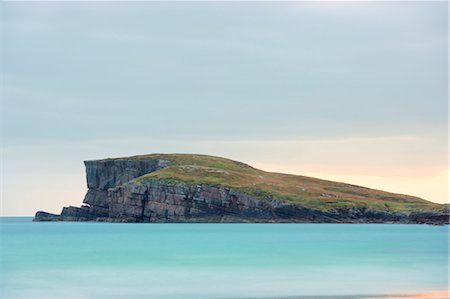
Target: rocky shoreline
114, 196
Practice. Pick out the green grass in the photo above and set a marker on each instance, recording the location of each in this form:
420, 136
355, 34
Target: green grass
306, 191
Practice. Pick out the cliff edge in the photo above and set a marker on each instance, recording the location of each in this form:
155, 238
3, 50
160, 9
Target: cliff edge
200, 188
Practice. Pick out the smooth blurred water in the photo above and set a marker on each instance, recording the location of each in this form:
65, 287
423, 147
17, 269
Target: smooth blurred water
112, 260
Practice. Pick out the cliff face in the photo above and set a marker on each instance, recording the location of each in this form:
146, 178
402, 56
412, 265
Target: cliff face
106, 175
114, 194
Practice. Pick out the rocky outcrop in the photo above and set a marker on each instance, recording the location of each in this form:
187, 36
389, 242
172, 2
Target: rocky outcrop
104, 175
113, 195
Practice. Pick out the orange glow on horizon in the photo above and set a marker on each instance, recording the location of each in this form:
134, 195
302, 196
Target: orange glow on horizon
424, 295
432, 187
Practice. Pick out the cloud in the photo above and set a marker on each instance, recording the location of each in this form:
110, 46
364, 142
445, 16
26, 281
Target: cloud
319, 87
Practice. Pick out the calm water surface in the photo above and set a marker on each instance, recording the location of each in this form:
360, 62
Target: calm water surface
111, 260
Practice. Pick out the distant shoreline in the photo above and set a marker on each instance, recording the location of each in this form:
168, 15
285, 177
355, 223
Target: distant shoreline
4, 219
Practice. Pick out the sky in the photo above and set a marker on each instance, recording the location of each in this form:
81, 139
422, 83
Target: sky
348, 91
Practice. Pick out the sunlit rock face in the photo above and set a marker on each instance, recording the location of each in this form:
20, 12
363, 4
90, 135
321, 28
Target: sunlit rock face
117, 194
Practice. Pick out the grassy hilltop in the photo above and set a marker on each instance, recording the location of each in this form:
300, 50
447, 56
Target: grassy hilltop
305, 191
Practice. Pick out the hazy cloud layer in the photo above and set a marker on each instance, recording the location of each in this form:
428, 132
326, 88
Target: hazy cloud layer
354, 88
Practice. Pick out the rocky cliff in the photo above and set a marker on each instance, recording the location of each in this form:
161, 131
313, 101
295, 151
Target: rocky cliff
196, 188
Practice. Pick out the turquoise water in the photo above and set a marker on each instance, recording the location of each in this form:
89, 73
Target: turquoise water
112, 260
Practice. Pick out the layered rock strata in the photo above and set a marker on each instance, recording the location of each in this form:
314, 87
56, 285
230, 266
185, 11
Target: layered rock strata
114, 195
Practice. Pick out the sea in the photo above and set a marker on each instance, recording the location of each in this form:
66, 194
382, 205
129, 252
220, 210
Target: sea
122, 260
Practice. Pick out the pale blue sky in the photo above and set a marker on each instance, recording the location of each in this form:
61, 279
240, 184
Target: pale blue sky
336, 89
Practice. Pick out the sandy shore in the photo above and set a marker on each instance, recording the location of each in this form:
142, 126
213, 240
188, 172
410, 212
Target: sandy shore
420, 295
424, 295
